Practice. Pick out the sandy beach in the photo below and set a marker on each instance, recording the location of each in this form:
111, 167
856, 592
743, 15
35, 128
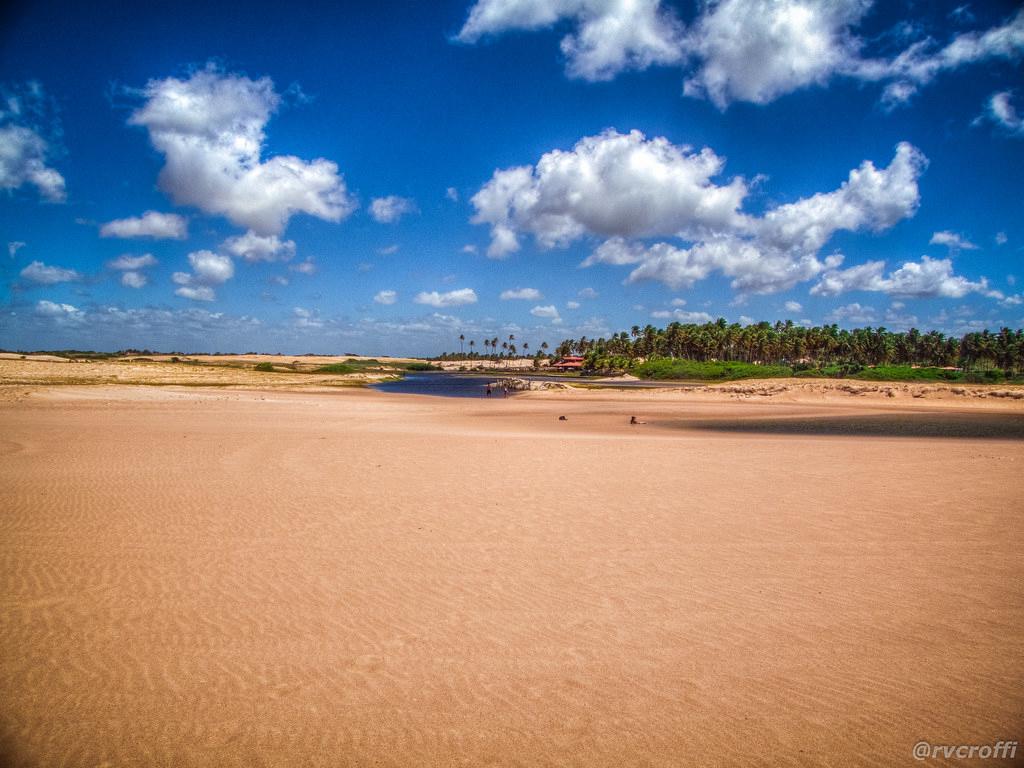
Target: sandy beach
262, 577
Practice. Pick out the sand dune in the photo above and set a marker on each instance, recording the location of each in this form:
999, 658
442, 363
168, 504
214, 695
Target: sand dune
204, 577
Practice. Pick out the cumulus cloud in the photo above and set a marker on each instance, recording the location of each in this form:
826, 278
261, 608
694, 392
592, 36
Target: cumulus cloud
914, 279
388, 210
570, 195
549, 312
13, 247
853, 313
572, 305
588, 293
526, 294
757, 50
469, 248
682, 316
388, 250
46, 308
607, 185
134, 280
210, 129
25, 115
454, 298
452, 194
152, 224
129, 262
130, 265
952, 241
1001, 111
741, 50
386, 297
208, 270
38, 272
793, 306
252, 247
608, 38
1001, 238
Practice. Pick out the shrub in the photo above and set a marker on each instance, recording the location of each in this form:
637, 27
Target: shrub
338, 368
421, 367
264, 367
664, 368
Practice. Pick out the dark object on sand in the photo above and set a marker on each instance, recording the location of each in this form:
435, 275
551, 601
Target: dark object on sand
634, 420
562, 418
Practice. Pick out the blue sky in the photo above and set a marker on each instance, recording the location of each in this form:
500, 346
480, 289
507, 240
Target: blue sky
374, 178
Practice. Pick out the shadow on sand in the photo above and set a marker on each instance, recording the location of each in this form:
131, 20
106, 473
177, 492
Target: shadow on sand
987, 426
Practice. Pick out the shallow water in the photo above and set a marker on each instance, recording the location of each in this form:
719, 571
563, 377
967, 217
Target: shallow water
992, 426
440, 385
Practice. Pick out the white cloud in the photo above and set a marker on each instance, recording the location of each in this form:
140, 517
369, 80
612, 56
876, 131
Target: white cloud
388, 210
952, 241
609, 37
454, 298
152, 224
678, 302
210, 128
572, 305
779, 249
1002, 112
871, 198
921, 62
386, 297
196, 292
741, 50
452, 194
23, 154
757, 50
682, 316
13, 247
853, 313
588, 293
388, 250
50, 309
526, 294
129, 262
470, 248
134, 280
926, 278
307, 267
1001, 238
208, 269
793, 306
252, 247
549, 312
38, 272
211, 268
306, 318
611, 184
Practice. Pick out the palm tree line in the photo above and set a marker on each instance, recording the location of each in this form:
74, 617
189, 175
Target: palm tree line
508, 348
788, 343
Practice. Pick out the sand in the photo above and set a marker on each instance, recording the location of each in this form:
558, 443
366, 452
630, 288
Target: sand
194, 576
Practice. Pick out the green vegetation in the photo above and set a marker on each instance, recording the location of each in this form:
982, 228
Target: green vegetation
264, 367
421, 367
338, 368
723, 351
664, 368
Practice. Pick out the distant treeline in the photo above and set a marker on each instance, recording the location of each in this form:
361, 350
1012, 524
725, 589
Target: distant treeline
789, 349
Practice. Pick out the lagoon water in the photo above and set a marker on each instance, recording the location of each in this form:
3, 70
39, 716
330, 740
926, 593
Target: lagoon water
440, 384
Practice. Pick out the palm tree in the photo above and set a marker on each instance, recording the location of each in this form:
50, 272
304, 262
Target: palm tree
462, 338
471, 343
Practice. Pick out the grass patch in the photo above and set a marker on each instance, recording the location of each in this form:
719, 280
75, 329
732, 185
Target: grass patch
719, 371
421, 367
264, 367
337, 368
